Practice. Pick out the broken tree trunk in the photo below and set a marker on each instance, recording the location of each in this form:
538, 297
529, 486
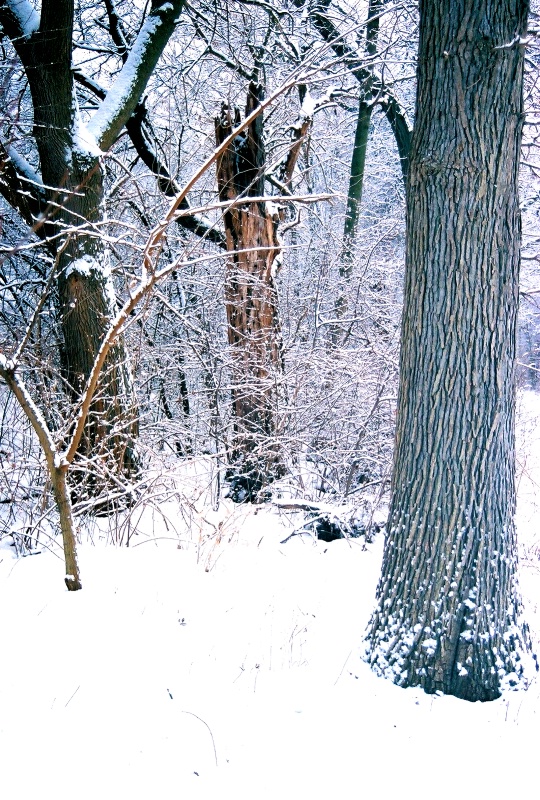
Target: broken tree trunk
250, 294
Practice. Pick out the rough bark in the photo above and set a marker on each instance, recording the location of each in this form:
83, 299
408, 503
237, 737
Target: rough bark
250, 292
449, 615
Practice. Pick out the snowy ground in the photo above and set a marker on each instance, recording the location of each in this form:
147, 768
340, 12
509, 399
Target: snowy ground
222, 668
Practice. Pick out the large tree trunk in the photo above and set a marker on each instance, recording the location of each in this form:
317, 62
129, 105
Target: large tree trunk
250, 294
87, 307
69, 155
449, 614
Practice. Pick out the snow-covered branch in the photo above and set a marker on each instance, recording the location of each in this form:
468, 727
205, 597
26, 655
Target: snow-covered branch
23, 15
19, 184
126, 91
9, 373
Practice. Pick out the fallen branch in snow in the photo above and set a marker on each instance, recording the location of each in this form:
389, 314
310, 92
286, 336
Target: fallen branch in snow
326, 522
204, 723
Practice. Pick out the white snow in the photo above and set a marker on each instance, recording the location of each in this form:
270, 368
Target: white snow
210, 660
84, 143
23, 167
26, 15
84, 265
308, 106
273, 209
5, 363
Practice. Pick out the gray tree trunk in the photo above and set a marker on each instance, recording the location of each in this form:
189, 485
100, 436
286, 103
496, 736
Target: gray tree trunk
449, 615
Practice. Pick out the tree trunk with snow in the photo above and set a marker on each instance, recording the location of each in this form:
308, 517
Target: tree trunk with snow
449, 614
85, 287
69, 156
250, 294
87, 307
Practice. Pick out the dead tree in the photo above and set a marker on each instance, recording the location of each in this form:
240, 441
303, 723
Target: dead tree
250, 293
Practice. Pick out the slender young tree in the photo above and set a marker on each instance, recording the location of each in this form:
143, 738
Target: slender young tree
449, 615
361, 136
374, 91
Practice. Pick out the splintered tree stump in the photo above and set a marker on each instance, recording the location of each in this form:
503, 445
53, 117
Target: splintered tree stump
250, 294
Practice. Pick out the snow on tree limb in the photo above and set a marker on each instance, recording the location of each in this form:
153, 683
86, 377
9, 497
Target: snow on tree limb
19, 184
24, 15
25, 171
8, 372
126, 91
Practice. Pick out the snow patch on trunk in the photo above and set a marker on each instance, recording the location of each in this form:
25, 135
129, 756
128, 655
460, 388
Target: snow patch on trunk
26, 15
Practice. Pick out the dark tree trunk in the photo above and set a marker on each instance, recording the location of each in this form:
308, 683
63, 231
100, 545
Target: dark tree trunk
250, 293
87, 307
356, 185
72, 174
449, 615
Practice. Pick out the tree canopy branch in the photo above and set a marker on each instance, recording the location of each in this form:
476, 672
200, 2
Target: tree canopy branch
372, 85
121, 100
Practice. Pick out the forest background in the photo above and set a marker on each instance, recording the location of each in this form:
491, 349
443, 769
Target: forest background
207, 272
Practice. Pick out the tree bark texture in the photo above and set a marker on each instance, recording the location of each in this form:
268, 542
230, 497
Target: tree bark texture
87, 307
250, 292
449, 614
358, 160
